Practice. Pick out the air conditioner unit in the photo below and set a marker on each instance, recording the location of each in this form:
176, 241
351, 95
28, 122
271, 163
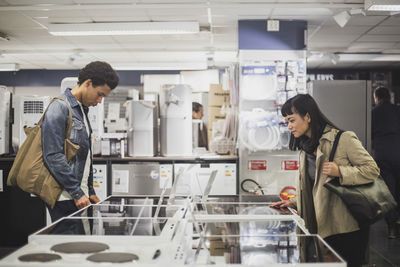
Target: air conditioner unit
5, 108
29, 110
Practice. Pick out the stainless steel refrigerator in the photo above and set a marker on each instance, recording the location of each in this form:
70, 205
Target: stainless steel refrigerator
347, 103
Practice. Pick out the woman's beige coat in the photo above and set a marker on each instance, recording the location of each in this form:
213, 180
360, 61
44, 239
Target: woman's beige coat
356, 167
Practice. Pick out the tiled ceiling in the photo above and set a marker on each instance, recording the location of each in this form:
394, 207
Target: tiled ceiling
30, 45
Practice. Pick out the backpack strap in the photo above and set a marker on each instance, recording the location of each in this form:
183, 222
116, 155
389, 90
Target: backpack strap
69, 114
335, 144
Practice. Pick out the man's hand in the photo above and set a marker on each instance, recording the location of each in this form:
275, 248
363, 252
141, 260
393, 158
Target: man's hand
331, 168
94, 199
82, 202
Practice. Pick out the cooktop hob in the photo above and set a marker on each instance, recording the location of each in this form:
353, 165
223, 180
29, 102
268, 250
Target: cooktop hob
80, 247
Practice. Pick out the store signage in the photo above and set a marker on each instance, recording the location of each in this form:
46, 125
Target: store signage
257, 165
320, 77
290, 165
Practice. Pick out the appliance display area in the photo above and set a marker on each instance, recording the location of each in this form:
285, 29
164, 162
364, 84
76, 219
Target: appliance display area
134, 230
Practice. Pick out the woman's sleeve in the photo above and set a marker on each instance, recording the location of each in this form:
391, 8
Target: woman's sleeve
363, 168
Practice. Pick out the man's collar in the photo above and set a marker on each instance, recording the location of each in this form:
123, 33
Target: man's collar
71, 98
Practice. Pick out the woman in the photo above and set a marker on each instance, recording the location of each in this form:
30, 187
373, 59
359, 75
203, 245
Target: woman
324, 213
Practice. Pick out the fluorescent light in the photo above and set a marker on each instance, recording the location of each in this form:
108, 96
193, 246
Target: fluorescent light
124, 28
162, 66
9, 67
382, 5
370, 57
342, 18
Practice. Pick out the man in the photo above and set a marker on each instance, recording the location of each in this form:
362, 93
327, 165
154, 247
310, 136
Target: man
197, 114
95, 81
386, 143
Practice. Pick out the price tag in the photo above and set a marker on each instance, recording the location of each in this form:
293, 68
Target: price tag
257, 165
290, 165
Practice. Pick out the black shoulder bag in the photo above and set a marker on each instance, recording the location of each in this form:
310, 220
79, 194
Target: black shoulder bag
367, 203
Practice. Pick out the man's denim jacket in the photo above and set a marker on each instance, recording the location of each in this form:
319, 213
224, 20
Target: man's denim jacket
54, 126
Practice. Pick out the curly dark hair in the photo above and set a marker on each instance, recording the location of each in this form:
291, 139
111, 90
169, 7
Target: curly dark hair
100, 73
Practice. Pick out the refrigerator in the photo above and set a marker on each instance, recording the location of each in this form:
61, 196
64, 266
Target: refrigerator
176, 120
347, 104
142, 128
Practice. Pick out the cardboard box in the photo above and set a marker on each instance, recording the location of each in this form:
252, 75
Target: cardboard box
214, 114
218, 97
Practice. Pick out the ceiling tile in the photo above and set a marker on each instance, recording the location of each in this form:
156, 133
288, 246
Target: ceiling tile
386, 30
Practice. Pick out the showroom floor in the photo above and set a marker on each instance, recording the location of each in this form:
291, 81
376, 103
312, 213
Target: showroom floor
384, 252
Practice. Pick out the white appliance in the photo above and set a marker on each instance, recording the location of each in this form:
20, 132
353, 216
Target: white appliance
176, 120
29, 110
5, 106
95, 115
113, 144
142, 128
194, 181
100, 180
148, 179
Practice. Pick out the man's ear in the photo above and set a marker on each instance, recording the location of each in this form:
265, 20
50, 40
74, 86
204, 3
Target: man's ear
87, 82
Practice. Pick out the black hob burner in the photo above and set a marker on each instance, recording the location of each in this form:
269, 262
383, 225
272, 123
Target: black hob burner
39, 257
113, 257
80, 247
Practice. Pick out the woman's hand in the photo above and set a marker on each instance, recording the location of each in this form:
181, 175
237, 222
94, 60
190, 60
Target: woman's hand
282, 204
330, 168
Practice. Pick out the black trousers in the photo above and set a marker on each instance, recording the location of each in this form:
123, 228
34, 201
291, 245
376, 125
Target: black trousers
351, 246
390, 172
65, 227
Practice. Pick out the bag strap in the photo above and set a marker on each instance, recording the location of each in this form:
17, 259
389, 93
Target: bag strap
69, 114
335, 144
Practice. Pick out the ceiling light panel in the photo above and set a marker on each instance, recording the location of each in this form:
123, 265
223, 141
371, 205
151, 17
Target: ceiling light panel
9, 67
382, 5
124, 28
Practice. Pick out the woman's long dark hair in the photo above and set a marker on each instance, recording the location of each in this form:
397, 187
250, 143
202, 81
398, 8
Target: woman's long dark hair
304, 104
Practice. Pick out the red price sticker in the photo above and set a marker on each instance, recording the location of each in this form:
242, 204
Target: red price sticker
290, 165
257, 165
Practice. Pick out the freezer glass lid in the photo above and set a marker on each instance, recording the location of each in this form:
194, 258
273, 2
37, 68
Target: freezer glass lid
238, 208
129, 210
249, 227
271, 249
130, 200
106, 226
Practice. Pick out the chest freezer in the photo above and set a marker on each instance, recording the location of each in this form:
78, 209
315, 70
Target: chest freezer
194, 181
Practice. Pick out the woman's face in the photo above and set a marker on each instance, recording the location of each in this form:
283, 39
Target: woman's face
299, 125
